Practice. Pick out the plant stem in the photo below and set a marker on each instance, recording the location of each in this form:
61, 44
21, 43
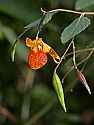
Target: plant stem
78, 64
74, 59
63, 56
69, 11
80, 51
40, 114
72, 42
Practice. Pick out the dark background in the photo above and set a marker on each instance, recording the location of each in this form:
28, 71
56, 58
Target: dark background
27, 96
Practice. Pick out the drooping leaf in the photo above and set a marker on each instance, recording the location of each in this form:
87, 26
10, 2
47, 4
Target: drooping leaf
59, 89
9, 33
13, 49
33, 24
83, 4
48, 17
11, 36
76, 27
42, 21
20, 49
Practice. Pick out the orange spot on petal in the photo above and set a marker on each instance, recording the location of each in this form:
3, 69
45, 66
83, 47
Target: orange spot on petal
37, 60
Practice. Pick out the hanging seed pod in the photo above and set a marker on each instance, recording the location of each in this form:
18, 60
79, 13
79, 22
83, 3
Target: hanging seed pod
82, 78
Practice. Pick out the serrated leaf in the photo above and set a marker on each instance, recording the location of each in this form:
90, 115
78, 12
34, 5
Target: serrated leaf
59, 90
48, 17
76, 27
83, 4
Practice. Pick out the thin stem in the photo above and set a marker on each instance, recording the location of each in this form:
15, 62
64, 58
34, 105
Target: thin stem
41, 113
37, 34
22, 33
80, 51
82, 14
63, 56
78, 64
40, 25
69, 11
84, 66
74, 59
15, 42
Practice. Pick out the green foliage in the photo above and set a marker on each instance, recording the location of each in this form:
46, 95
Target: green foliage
83, 4
76, 27
59, 90
13, 50
8, 32
33, 24
48, 17
28, 95
19, 9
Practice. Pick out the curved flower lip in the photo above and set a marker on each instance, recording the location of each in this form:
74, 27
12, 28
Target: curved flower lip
37, 60
38, 53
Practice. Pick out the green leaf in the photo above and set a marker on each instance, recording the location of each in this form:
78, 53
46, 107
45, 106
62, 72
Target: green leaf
42, 21
9, 33
48, 17
83, 4
33, 24
13, 50
76, 27
59, 90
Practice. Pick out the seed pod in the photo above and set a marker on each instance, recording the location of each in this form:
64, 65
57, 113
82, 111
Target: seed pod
81, 77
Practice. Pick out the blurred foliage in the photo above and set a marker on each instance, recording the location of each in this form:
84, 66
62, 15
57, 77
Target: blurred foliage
27, 96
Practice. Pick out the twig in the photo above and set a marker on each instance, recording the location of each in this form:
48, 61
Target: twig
63, 56
72, 42
80, 51
78, 64
74, 59
7, 114
69, 11
41, 113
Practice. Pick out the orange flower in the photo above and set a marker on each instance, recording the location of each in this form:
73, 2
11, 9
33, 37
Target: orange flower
37, 57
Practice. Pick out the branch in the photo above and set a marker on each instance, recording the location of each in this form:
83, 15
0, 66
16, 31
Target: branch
69, 11
80, 51
78, 64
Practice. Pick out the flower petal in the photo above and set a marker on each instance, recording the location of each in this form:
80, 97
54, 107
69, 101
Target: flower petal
55, 56
37, 60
